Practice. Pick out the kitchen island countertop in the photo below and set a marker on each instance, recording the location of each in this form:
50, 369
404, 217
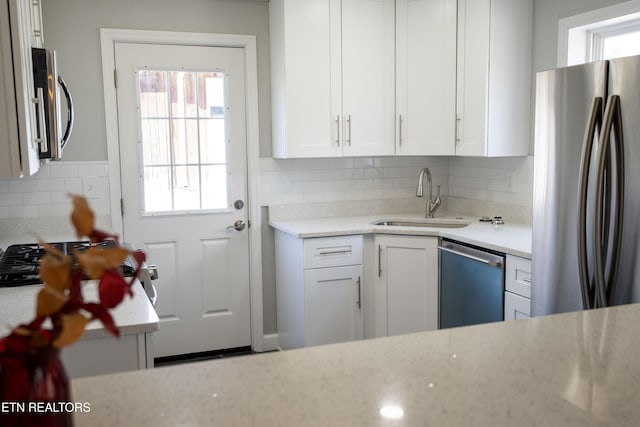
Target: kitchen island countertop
573, 369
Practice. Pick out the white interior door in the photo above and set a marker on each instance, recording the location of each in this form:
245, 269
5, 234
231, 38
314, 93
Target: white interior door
182, 134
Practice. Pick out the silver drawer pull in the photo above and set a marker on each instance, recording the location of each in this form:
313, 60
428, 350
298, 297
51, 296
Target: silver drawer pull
525, 280
343, 252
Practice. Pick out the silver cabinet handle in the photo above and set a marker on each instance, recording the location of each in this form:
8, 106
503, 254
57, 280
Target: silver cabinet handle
338, 130
458, 119
342, 252
379, 261
400, 129
42, 125
359, 302
349, 129
526, 280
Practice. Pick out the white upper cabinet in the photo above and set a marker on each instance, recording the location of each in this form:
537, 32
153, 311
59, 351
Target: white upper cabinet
332, 71
368, 88
494, 77
404, 77
19, 149
425, 77
301, 78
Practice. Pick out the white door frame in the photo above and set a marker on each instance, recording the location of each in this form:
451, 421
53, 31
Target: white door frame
108, 38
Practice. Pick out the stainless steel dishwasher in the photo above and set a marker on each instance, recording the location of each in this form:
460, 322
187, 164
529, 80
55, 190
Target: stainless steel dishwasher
471, 285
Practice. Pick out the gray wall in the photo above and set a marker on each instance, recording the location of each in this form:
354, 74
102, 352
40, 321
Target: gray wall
546, 14
72, 28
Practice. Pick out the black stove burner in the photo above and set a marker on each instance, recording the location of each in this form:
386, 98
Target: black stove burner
20, 264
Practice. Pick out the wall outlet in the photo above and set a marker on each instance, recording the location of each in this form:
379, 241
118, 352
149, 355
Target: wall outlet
510, 181
90, 188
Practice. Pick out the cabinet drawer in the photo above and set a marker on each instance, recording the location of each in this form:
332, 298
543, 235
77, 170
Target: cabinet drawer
518, 276
332, 251
516, 307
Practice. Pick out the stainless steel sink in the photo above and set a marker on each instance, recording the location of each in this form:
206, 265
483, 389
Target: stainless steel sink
425, 223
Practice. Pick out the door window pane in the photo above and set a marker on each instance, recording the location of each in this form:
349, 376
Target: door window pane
157, 189
212, 131
153, 94
184, 141
155, 141
183, 133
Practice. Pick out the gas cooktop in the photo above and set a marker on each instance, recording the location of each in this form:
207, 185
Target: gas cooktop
20, 264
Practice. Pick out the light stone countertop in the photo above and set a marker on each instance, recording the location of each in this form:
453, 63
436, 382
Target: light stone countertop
133, 316
513, 239
574, 369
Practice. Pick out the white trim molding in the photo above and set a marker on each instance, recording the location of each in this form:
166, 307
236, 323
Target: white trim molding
108, 38
573, 31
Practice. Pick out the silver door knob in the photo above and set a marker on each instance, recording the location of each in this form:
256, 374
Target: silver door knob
238, 225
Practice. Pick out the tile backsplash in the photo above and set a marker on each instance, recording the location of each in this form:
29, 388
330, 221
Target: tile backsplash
39, 205
470, 181
45, 194
296, 181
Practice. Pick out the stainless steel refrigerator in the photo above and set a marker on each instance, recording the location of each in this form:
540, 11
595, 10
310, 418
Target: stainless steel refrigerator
586, 198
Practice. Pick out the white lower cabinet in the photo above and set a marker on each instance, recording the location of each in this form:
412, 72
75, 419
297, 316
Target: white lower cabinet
319, 290
333, 305
517, 295
406, 292
125, 353
516, 307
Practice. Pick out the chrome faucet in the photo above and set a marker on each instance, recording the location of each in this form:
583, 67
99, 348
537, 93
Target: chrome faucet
432, 205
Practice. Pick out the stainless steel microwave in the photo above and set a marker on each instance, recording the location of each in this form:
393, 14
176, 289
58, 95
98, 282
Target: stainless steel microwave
52, 124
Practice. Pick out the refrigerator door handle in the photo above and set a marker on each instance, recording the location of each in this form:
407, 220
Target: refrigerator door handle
605, 286
594, 124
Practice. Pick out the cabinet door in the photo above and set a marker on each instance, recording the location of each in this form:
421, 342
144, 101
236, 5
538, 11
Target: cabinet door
305, 77
333, 305
494, 77
473, 76
425, 77
518, 276
368, 83
406, 298
19, 147
516, 307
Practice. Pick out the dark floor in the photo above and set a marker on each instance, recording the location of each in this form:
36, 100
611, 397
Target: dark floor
199, 357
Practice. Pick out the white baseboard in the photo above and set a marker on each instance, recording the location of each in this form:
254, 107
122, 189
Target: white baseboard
270, 342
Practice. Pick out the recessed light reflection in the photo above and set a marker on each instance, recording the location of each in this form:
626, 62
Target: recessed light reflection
392, 412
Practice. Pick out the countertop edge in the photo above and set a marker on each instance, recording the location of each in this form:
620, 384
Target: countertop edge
475, 233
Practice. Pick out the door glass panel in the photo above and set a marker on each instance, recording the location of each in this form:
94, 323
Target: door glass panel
212, 90
212, 131
184, 141
186, 187
153, 94
157, 195
183, 132
155, 141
